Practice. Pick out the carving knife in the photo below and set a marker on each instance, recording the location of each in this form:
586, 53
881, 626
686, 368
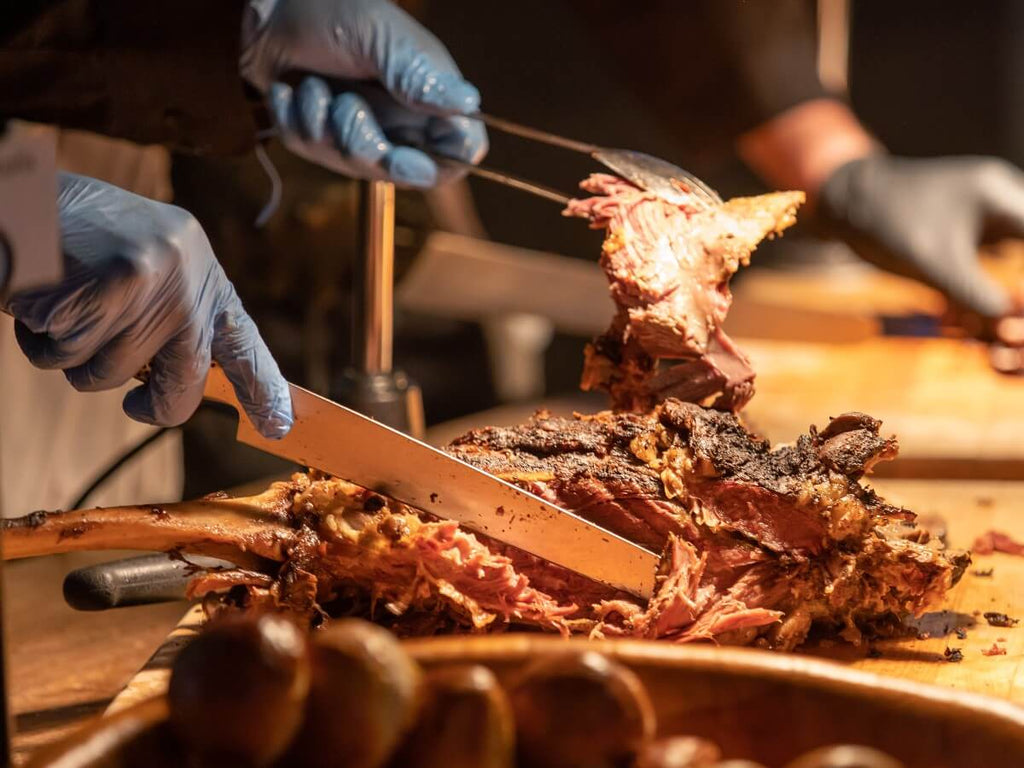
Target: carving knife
346, 444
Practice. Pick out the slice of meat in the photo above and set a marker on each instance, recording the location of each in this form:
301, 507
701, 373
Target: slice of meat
669, 267
759, 543
997, 541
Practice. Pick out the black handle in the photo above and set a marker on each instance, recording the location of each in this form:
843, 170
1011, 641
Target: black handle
140, 580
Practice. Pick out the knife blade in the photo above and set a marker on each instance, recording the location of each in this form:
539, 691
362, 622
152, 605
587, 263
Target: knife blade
348, 445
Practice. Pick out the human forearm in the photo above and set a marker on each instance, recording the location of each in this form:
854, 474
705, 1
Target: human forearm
803, 146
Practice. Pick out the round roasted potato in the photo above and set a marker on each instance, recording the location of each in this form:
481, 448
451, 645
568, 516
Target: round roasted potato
364, 696
580, 710
466, 722
678, 752
845, 756
237, 691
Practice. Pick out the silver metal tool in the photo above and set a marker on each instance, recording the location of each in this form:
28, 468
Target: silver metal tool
668, 181
346, 444
370, 384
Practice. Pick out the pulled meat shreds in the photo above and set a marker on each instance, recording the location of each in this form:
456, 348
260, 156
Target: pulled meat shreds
686, 607
406, 563
997, 541
669, 267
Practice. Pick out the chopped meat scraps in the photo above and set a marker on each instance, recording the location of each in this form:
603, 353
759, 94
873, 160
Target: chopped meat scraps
997, 541
953, 654
1000, 619
995, 650
669, 267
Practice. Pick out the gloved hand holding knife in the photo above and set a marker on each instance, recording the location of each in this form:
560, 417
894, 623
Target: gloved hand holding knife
142, 283
142, 286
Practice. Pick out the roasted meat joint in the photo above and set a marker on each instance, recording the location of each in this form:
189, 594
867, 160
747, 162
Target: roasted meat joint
759, 544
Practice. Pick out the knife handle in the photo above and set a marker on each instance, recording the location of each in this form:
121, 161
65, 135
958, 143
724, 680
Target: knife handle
154, 578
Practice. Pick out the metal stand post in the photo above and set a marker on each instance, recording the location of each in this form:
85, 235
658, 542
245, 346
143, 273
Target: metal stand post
371, 385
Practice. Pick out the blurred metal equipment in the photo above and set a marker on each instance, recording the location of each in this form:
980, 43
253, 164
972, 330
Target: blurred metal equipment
519, 296
372, 386
517, 343
466, 278
834, 44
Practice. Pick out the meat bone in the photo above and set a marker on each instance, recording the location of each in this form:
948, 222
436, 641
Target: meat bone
250, 531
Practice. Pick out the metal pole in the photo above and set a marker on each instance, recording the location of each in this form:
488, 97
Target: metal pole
834, 44
374, 313
371, 385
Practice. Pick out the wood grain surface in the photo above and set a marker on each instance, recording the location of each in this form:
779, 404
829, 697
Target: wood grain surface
965, 509
952, 413
957, 421
67, 665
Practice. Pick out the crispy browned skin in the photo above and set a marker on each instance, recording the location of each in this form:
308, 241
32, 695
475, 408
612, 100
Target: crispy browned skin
764, 542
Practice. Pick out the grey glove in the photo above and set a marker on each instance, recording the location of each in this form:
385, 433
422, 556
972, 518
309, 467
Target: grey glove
925, 219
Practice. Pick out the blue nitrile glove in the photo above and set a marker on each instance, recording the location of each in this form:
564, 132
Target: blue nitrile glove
142, 285
366, 84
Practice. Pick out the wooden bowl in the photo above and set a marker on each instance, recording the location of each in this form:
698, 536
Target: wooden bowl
762, 706
772, 707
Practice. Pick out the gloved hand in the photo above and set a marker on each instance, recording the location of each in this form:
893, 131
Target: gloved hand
374, 85
926, 218
141, 285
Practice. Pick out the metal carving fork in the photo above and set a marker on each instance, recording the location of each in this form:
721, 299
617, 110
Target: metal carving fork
664, 179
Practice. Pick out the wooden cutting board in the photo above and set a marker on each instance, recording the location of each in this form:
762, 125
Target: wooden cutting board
954, 416
967, 508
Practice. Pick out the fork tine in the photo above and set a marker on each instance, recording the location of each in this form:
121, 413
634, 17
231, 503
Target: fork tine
508, 179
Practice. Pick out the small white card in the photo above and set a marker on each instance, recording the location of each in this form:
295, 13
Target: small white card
29, 238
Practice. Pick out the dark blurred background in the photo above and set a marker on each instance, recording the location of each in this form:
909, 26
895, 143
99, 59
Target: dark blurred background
928, 77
